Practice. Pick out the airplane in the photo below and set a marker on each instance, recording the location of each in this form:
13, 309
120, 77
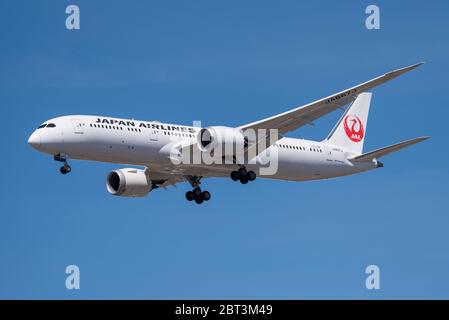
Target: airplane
157, 147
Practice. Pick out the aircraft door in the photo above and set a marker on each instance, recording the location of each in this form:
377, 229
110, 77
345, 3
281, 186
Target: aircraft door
78, 126
153, 135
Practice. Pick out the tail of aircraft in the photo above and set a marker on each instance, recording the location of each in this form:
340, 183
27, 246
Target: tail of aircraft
350, 131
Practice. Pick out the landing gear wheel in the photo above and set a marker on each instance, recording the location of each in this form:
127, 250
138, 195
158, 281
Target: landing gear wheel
199, 200
65, 169
205, 195
251, 175
61, 158
234, 175
196, 192
244, 180
190, 196
242, 173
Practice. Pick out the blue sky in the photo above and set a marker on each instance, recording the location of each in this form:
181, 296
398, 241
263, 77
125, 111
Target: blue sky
228, 63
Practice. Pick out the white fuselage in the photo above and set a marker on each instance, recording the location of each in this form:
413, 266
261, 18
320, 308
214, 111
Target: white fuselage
142, 143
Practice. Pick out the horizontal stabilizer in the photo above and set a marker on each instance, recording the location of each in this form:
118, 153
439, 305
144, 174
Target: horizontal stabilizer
376, 154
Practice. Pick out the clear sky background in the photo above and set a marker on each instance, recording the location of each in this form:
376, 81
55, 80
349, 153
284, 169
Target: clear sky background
227, 63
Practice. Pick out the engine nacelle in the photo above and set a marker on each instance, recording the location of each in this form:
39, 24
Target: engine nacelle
227, 139
128, 182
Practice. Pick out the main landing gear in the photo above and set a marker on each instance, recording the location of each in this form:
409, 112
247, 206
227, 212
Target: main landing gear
197, 194
65, 168
243, 175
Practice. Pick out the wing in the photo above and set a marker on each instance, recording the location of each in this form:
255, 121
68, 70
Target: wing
298, 117
170, 174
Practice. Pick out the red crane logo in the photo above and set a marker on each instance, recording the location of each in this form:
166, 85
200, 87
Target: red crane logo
354, 128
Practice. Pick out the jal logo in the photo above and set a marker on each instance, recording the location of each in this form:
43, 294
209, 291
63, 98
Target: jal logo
354, 128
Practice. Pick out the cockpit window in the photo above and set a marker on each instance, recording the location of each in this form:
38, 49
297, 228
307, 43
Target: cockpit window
51, 125
42, 126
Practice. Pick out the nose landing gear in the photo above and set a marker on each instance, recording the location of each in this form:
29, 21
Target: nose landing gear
243, 175
65, 168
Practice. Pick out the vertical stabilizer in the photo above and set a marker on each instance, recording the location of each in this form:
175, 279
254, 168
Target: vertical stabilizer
350, 131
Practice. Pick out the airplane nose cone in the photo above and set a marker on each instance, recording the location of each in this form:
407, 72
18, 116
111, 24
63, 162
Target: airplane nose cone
35, 140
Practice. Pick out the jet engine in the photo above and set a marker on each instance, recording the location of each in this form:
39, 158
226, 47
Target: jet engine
229, 140
128, 182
